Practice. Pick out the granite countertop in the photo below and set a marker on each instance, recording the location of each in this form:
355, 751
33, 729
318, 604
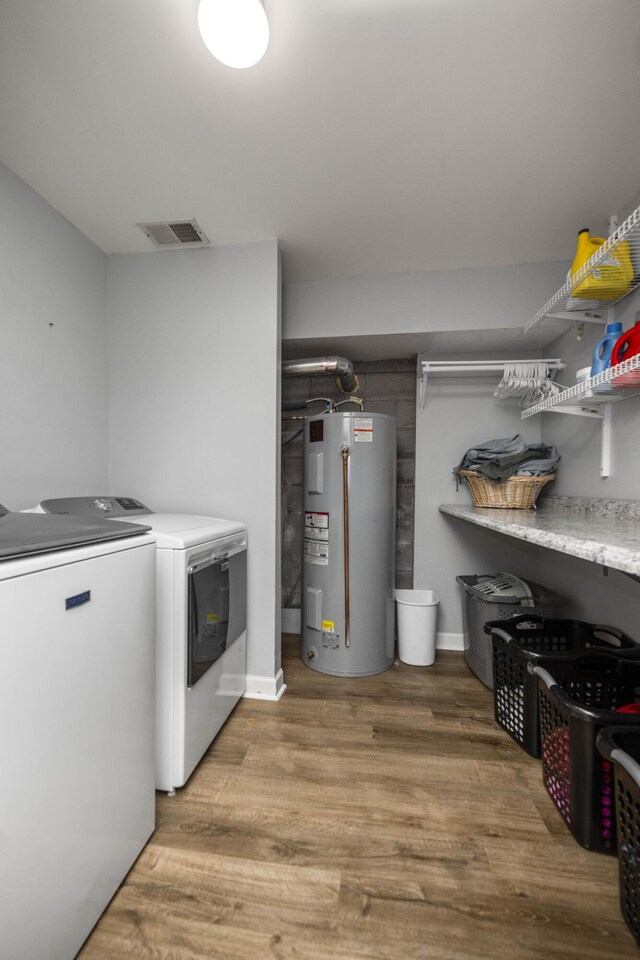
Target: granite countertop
602, 531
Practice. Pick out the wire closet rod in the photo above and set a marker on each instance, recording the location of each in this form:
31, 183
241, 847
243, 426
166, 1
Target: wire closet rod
440, 367
479, 366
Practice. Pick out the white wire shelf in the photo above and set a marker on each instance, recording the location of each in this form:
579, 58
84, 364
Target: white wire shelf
576, 396
565, 306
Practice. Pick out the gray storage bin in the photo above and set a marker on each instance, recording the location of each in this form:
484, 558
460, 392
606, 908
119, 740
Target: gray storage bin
496, 597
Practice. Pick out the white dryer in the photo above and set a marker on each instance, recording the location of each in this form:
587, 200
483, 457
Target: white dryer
201, 621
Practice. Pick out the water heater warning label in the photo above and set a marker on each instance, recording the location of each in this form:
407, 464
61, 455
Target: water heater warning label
316, 551
316, 538
331, 641
363, 430
312, 519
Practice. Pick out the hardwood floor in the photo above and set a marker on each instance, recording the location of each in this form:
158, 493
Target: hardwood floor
386, 817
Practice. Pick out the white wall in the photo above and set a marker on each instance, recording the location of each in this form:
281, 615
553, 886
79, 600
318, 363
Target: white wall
194, 403
53, 369
471, 299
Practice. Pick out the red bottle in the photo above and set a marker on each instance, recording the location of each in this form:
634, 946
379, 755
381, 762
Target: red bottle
626, 347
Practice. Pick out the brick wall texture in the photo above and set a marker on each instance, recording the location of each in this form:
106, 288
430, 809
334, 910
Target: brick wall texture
387, 386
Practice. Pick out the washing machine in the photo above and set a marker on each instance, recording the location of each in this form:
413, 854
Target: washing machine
201, 624
77, 731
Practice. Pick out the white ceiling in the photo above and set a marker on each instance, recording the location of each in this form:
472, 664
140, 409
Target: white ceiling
375, 136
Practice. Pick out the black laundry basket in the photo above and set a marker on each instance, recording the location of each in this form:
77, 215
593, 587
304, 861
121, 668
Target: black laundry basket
620, 746
526, 638
578, 695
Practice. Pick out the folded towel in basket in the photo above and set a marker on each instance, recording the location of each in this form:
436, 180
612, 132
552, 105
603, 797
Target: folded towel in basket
500, 459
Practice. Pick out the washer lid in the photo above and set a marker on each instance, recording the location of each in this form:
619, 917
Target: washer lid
29, 533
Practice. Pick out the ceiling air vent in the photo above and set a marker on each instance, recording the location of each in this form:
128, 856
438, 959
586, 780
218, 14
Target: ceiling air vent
175, 233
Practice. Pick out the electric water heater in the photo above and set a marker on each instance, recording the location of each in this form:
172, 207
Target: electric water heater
349, 523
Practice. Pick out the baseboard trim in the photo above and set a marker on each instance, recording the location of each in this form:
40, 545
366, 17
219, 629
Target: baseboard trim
449, 641
265, 688
291, 620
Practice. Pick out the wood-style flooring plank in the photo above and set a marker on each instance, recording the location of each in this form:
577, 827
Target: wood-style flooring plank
381, 818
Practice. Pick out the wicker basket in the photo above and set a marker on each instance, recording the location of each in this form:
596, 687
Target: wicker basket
516, 493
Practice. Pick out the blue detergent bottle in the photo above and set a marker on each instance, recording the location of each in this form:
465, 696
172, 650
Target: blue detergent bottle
602, 355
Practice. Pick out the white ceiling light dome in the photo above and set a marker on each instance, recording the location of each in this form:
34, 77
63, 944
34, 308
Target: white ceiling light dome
235, 31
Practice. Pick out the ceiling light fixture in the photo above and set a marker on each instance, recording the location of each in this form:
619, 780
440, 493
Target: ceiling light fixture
235, 31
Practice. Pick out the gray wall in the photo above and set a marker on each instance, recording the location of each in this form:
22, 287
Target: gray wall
472, 299
614, 599
194, 382
194, 343
388, 386
459, 413
53, 363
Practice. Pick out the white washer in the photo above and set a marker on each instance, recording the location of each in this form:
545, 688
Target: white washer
201, 639
77, 802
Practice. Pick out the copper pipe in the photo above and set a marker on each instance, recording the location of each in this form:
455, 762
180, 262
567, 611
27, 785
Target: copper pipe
345, 516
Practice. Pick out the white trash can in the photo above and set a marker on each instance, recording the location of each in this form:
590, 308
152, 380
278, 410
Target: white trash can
417, 612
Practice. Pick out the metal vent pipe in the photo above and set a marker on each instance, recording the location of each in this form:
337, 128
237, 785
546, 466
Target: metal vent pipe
340, 367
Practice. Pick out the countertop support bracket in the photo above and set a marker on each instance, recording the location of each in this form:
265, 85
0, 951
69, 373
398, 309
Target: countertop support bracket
605, 443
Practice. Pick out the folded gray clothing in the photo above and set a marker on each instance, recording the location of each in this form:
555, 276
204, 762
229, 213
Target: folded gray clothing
539, 468
493, 448
501, 459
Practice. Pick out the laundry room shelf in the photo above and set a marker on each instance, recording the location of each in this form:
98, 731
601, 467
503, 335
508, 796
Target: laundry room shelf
575, 397
574, 401
564, 306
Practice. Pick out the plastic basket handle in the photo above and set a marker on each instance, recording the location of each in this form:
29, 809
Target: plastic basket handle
611, 662
543, 674
556, 694
605, 743
498, 632
612, 631
532, 618
627, 763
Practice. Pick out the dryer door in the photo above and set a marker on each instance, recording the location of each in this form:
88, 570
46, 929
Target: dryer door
217, 610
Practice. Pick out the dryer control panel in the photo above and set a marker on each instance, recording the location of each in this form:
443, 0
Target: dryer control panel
116, 507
